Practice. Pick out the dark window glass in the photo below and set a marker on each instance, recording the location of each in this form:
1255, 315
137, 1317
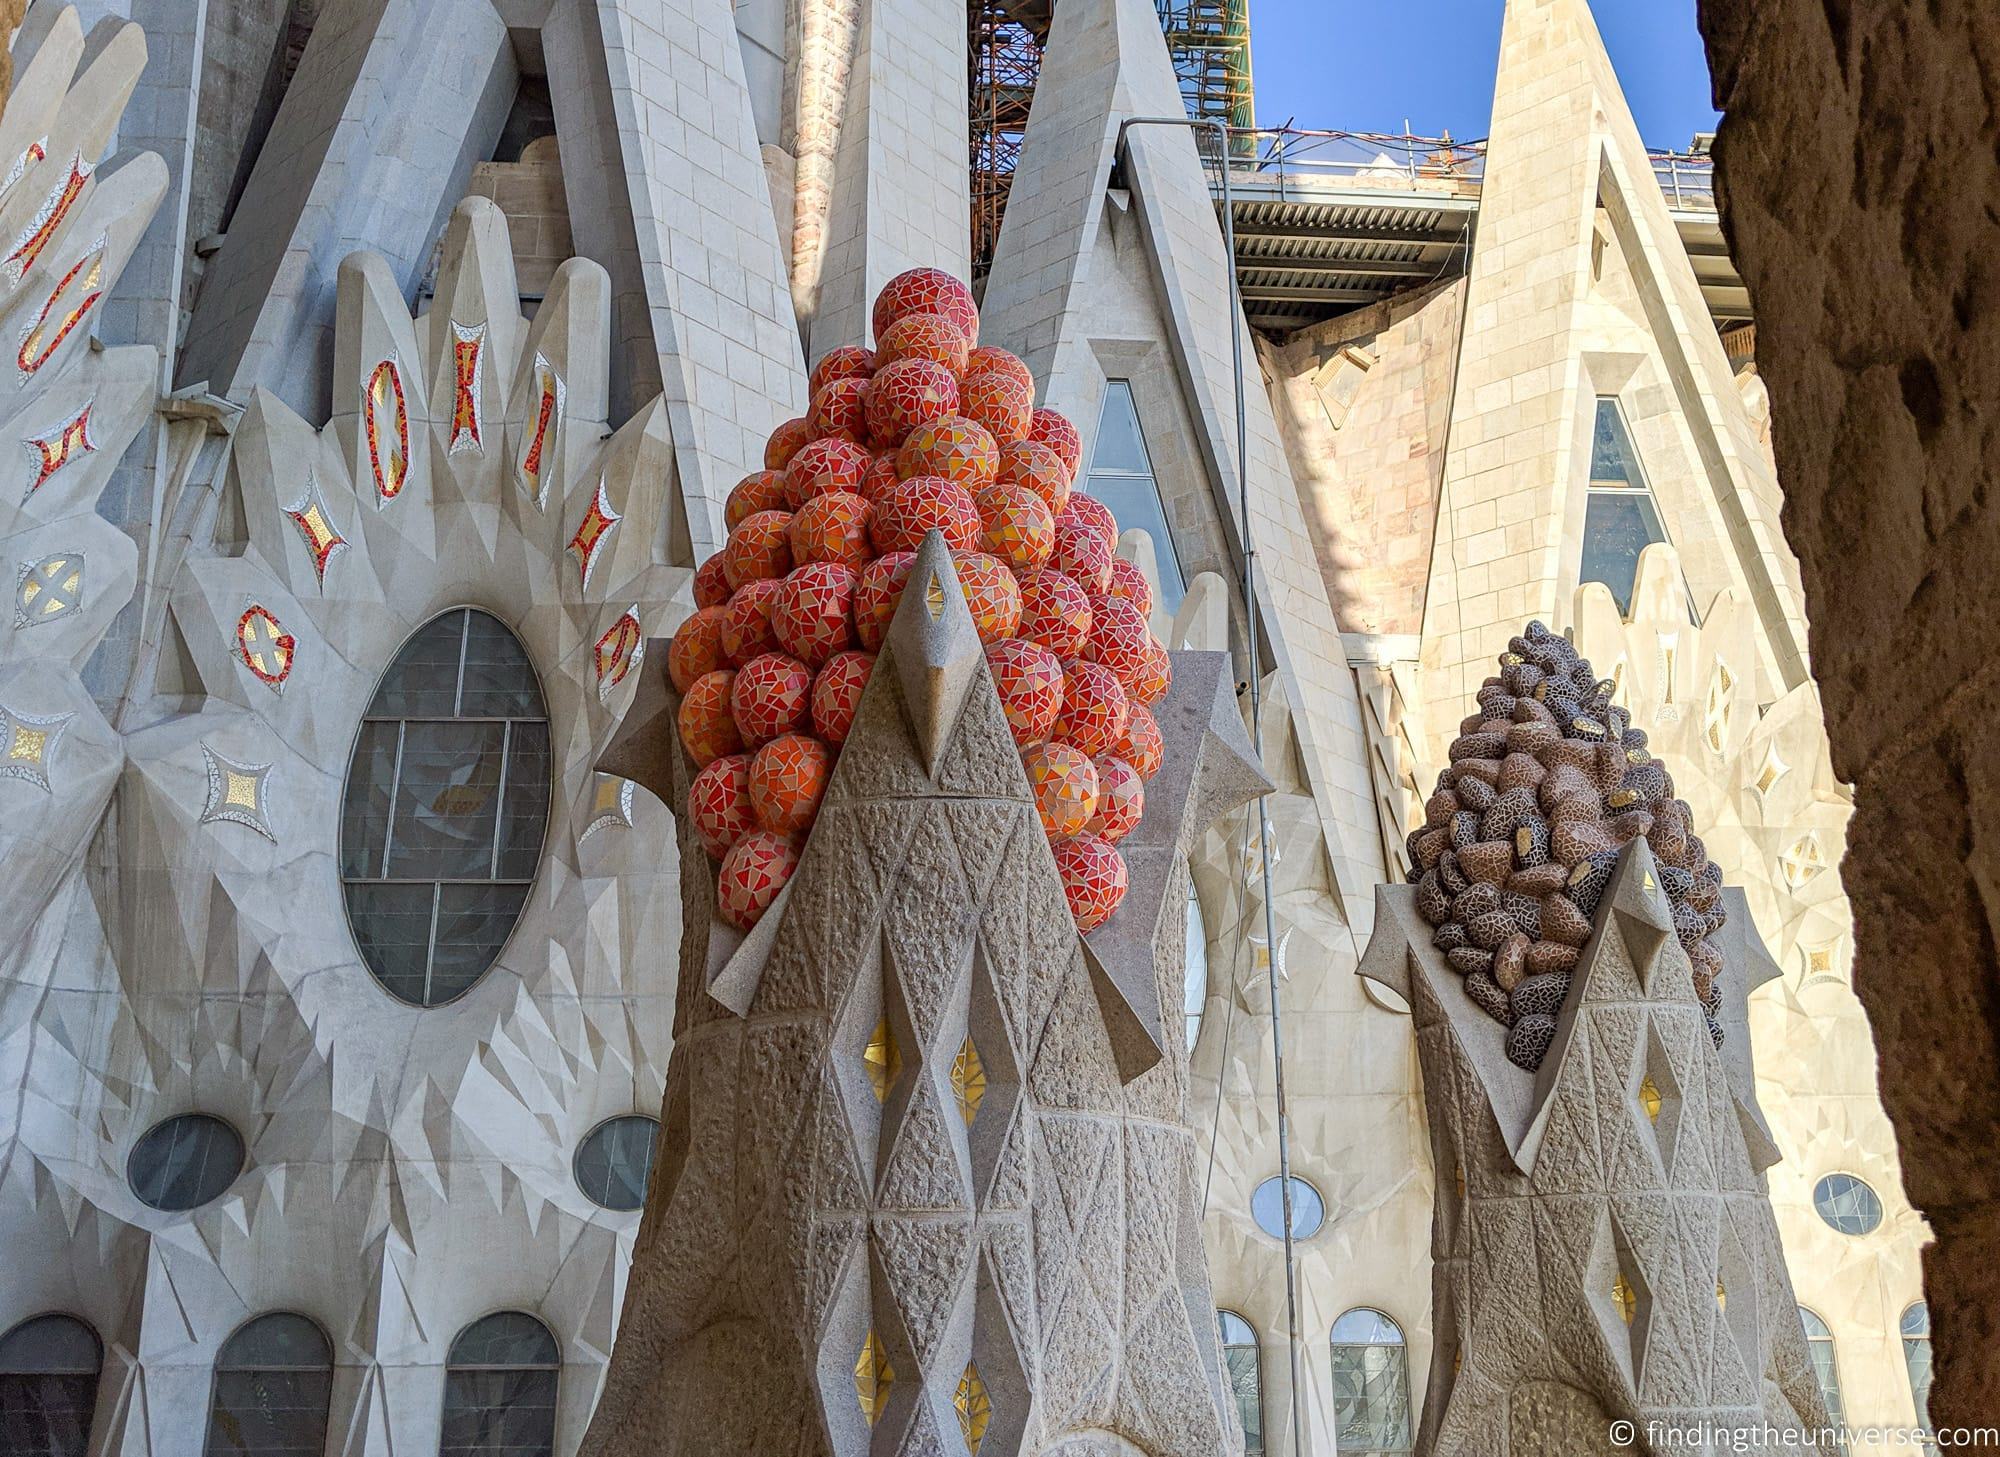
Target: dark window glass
612, 1165
446, 808
1917, 1358
1819, 1346
1121, 476
1847, 1204
1371, 1385
273, 1388
500, 1389
1620, 517
185, 1162
48, 1387
1241, 1365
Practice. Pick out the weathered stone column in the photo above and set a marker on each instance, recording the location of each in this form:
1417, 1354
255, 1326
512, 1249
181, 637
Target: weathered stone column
924, 1182
1860, 188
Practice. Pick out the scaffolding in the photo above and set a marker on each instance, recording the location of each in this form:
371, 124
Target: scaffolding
1208, 39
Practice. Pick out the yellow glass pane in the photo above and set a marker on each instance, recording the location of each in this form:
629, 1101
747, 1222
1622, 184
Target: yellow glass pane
873, 1376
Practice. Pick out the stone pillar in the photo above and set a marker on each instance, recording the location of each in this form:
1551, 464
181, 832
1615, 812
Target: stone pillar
924, 1183
1860, 190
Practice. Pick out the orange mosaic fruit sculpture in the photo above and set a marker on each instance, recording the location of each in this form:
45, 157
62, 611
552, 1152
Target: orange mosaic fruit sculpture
928, 431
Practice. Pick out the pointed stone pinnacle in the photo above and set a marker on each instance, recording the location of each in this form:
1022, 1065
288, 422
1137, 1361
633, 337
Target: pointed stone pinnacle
646, 749
935, 646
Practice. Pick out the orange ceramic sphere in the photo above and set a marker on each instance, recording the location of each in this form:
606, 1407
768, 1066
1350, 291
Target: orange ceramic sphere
990, 356
1129, 582
1094, 710
882, 476
1080, 553
839, 410
1093, 878
1142, 747
1015, 526
955, 449
999, 401
1091, 512
1121, 799
696, 648
787, 441
1118, 638
761, 490
849, 361
1154, 678
1035, 468
924, 336
919, 506
746, 622
926, 291
836, 694
825, 465
833, 528
877, 595
991, 594
1065, 784
1029, 681
711, 582
1055, 611
770, 696
906, 395
760, 546
1054, 430
719, 803
707, 728
787, 781
752, 875
810, 616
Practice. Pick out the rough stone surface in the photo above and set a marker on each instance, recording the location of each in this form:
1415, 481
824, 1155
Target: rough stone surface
1862, 184
926, 1058
1612, 1254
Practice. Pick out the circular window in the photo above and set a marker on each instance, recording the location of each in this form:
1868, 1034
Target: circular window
1847, 1204
1267, 1207
615, 1160
446, 807
185, 1162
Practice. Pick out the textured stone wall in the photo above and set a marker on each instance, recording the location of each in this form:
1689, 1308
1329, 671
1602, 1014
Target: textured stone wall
1862, 187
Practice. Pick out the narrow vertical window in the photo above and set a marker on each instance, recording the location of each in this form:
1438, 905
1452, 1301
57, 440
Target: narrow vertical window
1371, 1385
1242, 1366
1194, 978
1826, 1368
1917, 1360
48, 1386
1121, 476
1621, 518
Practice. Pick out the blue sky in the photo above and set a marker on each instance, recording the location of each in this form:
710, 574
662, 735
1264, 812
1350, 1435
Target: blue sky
1367, 65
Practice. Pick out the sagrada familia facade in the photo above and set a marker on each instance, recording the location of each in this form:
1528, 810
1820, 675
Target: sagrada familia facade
384, 370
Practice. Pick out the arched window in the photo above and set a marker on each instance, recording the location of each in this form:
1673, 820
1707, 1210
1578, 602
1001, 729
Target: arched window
273, 1385
1243, 1367
1819, 1345
1121, 476
1194, 980
1371, 1385
1620, 518
1917, 1358
500, 1389
48, 1386
446, 807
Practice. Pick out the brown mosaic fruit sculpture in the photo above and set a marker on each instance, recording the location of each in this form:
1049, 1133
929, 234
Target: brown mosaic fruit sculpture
1547, 782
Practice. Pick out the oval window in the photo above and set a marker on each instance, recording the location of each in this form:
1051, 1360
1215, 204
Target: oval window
446, 807
615, 1161
1267, 1207
184, 1162
1847, 1204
